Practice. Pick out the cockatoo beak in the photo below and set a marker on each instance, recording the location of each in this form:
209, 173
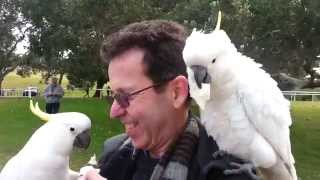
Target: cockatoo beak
37, 111
200, 75
82, 140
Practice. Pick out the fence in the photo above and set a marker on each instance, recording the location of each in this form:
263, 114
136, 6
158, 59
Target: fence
301, 95
18, 92
34, 92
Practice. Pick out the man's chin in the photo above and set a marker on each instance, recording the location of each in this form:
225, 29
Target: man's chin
138, 144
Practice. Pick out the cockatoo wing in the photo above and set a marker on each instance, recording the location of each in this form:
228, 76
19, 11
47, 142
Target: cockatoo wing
9, 171
267, 110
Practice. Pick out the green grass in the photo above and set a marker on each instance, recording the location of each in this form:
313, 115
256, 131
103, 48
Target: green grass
17, 124
305, 137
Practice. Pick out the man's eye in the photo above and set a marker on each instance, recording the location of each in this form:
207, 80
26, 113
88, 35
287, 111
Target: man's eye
121, 95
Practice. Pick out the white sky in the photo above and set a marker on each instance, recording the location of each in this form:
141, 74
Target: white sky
22, 46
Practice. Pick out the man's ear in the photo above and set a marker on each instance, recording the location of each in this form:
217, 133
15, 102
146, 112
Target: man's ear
179, 91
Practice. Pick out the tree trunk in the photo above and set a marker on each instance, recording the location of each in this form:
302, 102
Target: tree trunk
60, 78
1, 80
100, 83
312, 84
288, 83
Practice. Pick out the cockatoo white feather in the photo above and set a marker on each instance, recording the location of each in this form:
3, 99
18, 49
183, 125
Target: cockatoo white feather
243, 109
46, 154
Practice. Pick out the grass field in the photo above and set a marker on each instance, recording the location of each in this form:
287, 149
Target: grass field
305, 137
17, 124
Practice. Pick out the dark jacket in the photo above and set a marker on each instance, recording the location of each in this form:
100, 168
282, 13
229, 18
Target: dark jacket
118, 164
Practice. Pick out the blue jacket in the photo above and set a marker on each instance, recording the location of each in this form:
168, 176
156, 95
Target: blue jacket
53, 93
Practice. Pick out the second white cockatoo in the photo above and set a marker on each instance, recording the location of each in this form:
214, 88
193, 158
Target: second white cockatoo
241, 106
46, 154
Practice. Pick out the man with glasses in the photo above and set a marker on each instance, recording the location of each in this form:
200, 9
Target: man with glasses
162, 139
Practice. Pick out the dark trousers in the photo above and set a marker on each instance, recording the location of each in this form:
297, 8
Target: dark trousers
52, 108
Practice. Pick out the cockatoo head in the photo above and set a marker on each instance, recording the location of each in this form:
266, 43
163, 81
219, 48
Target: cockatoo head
204, 53
62, 130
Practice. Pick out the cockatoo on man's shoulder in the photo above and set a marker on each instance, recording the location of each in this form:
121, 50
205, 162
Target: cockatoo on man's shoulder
46, 154
240, 104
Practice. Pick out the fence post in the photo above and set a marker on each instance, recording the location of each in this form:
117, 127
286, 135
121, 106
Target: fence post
29, 93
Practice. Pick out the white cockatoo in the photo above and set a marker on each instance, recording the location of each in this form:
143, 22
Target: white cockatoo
46, 154
241, 106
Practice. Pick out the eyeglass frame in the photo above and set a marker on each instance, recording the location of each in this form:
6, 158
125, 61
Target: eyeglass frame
123, 99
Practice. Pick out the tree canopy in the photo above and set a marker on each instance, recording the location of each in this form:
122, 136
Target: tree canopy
66, 35
11, 33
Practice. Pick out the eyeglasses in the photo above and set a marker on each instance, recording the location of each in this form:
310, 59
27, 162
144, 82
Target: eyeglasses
123, 99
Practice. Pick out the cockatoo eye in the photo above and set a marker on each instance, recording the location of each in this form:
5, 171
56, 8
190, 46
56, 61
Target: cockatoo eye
213, 61
72, 129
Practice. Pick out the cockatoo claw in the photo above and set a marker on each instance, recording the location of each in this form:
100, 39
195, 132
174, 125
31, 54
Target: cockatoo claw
219, 154
246, 168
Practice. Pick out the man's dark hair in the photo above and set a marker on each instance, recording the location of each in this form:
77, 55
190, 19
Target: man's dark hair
162, 42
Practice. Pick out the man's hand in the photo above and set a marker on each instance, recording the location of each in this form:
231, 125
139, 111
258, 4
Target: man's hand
90, 174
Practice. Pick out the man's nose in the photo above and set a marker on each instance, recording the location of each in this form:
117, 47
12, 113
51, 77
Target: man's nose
116, 110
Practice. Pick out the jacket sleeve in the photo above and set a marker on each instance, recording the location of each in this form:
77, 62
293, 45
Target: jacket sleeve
59, 91
116, 161
110, 146
46, 91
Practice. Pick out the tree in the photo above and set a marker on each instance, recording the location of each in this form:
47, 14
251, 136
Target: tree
78, 27
51, 36
283, 35
11, 33
287, 36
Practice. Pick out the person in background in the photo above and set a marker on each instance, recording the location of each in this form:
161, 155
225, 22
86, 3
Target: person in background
162, 140
52, 95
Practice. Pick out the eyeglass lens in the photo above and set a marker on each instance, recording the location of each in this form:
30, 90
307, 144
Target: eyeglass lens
122, 99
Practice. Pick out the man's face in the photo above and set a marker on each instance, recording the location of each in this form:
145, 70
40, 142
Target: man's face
148, 119
54, 81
